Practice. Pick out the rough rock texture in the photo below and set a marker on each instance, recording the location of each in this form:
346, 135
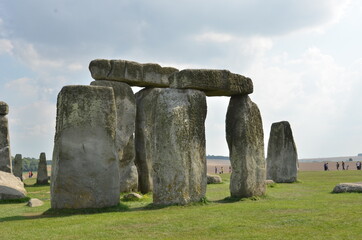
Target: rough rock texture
269, 182
212, 82
171, 123
42, 176
4, 108
5, 155
11, 187
126, 117
348, 187
132, 196
133, 73
18, 166
245, 138
211, 179
85, 170
282, 159
34, 202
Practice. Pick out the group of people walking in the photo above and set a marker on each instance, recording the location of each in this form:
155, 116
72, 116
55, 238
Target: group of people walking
343, 165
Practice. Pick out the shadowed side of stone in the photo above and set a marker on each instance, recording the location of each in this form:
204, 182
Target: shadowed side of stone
5, 155
245, 138
126, 117
282, 159
42, 176
85, 170
212, 82
132, 73
18, 166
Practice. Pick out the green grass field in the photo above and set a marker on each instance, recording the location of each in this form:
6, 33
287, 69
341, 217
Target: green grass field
304, 210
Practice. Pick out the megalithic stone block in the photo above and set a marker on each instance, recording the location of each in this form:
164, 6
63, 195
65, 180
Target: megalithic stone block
282, 158
5, 155
18, 166
245, 138
212, 82
132, 73
174, 139
85, 170
42, 176
126, 118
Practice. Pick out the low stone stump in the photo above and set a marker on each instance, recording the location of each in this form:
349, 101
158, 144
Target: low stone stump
11, 187
85, 170
212, 179
245, 138
18, 166
174, 141
348, 187
282, 159
5, 156
42, 176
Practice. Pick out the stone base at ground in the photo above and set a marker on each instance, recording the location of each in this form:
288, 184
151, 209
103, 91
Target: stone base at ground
348, 187
11, 187
212, 179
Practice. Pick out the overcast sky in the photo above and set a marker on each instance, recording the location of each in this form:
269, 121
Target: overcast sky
304, 57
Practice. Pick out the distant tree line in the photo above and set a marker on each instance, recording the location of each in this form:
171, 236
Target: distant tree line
217, 157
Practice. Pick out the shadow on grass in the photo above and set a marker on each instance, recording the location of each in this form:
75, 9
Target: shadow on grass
239, 199
12, 201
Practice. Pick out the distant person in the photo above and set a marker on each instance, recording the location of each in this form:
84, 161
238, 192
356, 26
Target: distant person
229, 169
29, 174
347, 166
337, 165
222, 170
343, 166
326, 166
358, 165
215, 170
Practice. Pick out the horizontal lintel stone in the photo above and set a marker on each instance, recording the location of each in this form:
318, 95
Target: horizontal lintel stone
212, 82
132, 73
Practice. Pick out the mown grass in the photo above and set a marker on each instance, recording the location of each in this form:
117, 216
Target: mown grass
303, 210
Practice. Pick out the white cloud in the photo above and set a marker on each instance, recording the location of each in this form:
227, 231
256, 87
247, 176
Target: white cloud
213, 37
6, 46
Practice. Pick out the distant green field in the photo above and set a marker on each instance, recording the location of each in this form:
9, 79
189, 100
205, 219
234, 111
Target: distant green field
304, 210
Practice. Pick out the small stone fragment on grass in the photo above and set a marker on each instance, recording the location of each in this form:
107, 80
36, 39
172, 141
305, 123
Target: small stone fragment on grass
34, 202
212, 179
269, 182
348, 187
132, 196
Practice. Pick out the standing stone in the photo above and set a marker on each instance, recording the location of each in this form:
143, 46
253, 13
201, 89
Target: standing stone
5, 156
245, 137
18, 166
126, 117
282, 159
42, 176
85, 170
174, 142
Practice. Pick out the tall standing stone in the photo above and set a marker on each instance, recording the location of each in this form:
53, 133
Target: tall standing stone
282, 159
245, 137
126, 118
42, 176
85, 170
176, 143
18, 166
5, 156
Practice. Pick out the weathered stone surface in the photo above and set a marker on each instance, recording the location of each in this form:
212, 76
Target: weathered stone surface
4, 108
11, 187
282, 159
34, 202
5, 156
126, 117
348, 187
171, 123
245, 137
212, 179
133, 73
128, 171
132, 196
212, 82
42, 176
85, 170
18, 166
146, 100
269, 182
